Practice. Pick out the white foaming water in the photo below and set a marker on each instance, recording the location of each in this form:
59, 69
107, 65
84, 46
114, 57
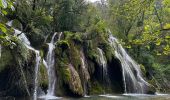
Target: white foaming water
22, 37
132, 77
26, 42
49, 97
38, 59
160, 94
103, 63
9, 23
45, 64
51, 70
110, 96
59, 37
50, 65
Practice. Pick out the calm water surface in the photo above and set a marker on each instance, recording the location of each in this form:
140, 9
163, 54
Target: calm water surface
109, 97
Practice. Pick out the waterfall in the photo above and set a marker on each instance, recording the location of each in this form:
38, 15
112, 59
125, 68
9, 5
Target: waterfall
49, 63
132, 77
103, 63
23, 38
51, 68
38, 58
86, 75
26, 42
59, 37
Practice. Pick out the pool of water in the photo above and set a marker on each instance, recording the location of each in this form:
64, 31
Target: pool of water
106, 97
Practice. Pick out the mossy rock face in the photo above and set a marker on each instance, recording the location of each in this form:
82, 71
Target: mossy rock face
96, 88
16, 71
151, 90
19, 64
43, 77
6, 59
63, 44
143, 69
75, 82
74, 55
68, 74
44, 50
36, 42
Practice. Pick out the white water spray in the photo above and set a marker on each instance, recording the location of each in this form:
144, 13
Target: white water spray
59, 37
51, 70
103, 63
132, 77
50, 65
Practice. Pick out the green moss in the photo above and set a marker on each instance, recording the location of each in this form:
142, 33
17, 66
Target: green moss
108, 50
92, 54
77, 37
64, 44
6, 59
143, 69
91, 49
17, 24
68, 35
22, 50
74, 55
43, 80
64, 71
62, 62
96, 88
41, 53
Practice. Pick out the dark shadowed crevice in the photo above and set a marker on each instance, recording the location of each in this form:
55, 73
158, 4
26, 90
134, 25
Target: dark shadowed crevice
115, 75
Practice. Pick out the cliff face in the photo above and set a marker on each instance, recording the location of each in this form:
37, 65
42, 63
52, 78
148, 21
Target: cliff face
16, 69
79, 68
75, 47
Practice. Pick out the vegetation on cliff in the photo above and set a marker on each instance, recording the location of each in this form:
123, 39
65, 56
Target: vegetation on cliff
82, 28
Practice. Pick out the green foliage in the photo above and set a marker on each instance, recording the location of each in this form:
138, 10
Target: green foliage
74, 55
97, 26
68, 14
63, 44
5, 33
43, 76
6, 58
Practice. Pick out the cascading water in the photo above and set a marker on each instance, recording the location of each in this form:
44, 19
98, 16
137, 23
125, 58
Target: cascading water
59, 37
26, 42
103, 63
132, 77
49, 64
85, 73
38, 59
51, 70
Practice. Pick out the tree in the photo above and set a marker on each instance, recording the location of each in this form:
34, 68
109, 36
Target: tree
68, 15
6, 38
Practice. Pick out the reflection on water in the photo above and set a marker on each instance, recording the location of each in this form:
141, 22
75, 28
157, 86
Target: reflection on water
108, 97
